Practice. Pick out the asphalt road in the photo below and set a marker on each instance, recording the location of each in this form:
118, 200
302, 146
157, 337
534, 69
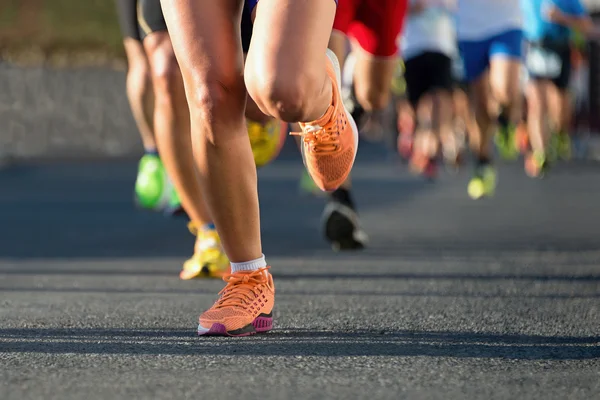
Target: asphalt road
498, 299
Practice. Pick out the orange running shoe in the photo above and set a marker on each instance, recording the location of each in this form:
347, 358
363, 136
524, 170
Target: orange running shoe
244, 308
329, 145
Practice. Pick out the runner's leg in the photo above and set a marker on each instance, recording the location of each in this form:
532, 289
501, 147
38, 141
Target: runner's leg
290, 77
206, 38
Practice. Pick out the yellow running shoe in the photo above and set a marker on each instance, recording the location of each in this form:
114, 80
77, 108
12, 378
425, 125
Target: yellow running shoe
245, 306
398, 81
209, 259
266, 140
483, 183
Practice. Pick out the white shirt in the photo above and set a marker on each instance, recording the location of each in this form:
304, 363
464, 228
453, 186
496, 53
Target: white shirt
480, 19
432, 29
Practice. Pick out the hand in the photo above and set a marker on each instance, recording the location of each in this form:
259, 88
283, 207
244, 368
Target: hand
449, 4
418, 6
553, 14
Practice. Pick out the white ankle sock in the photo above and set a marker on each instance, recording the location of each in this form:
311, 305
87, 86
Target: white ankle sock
252, 265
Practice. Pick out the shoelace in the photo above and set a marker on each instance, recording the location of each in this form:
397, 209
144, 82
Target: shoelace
241, 288
321, 139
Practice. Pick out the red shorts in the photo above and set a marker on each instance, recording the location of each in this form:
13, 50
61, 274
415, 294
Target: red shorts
373, 24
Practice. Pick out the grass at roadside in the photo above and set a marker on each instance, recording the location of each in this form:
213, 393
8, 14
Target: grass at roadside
60, 31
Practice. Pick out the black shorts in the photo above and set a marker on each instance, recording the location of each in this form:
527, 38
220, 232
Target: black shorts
549, 61
151, 19
426, 72
127, 11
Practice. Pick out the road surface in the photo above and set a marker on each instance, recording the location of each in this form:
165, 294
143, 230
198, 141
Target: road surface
455, 299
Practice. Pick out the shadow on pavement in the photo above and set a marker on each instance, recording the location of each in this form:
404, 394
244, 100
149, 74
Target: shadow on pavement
341, 293
300, 342
86, 211
284, 275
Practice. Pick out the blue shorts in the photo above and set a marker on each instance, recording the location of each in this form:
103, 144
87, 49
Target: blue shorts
476, 54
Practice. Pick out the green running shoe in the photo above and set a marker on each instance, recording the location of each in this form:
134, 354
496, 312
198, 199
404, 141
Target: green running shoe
506, 142
153, 189
561, 146
174, 208
308, 186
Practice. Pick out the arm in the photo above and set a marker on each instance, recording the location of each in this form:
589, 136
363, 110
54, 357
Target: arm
582, 23
417, 7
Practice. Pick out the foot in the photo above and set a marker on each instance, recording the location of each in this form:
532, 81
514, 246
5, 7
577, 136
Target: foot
152, 186
483, 182
266, 140
506, 142
174, 208
424, 165
329, 145
536, 164
522, 138
245, 306
209, 259
560, 147
406, 134
342, 228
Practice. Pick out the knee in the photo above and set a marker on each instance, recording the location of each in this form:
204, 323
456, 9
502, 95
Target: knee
508, 94
165, 77
281, 93
217, 101
138, 80
163, 65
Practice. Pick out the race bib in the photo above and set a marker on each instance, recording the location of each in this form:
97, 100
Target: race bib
544, 63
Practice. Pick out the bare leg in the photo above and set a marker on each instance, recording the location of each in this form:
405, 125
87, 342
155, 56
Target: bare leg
205, 36
291, 76
373, 80
425, 139
443, 123
480, 139
172, 126
536, 115
505, 85
139, 91
285, 68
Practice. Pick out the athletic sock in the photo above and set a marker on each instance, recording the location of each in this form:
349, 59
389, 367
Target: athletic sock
343, 196
151, 152
252, 265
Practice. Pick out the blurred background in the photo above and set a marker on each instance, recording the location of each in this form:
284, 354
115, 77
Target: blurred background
62, 80
452, 298
62, 77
